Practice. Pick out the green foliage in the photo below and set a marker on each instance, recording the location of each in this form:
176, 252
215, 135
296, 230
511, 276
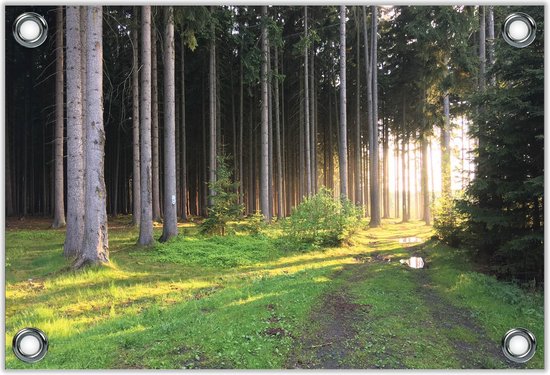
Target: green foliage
225, 203
448, 220
320, 220
504, 203
254, 223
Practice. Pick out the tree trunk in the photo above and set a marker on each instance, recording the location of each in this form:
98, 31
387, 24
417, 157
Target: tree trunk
270, 129
358, 165
396, 186
213, 154
146, 222
170, 223
183, 135
280, 213
342, 142
313, 124
491, 40
264, 157
307, 135
116, 174
482, 59
426, 215
75, 147
368, 71
446, 150
84, 73
241, 129
155, 124
404, 169
374, 175
95, 248
59, 204
136, 186
385, 170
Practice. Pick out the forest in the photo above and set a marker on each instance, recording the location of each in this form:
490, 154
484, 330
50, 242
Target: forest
258, 168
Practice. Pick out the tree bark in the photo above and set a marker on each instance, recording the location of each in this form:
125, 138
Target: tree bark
213, 154
95, 248
424, 186
342, 142
491, 40
84, 72
75, 147
170, 223
264, 157
307, 135
368, 71
183, 135
446, 150
357, 164
374, 175
482, 58
386, 170
155, 124
146, 222
59, 204
241, 129
404, 166
280, 197
136, 178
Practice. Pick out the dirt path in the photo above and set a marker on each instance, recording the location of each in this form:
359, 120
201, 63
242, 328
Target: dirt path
330, 340
330, 337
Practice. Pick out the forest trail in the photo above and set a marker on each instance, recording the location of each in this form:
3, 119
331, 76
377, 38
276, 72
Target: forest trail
343, 333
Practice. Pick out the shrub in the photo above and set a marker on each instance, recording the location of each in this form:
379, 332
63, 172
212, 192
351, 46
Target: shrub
448, 220
254, 223
225, 203
319, 221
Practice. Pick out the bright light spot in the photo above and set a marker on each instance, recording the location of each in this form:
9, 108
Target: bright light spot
518, 30
518, 345
29, 30
29, 345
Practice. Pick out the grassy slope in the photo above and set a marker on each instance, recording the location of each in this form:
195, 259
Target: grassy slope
231, 306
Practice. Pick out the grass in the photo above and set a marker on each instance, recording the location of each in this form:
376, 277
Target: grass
240, 301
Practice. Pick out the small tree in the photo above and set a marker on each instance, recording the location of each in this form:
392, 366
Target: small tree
224, 197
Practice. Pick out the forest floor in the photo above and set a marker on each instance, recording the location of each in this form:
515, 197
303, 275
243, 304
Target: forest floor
242, 302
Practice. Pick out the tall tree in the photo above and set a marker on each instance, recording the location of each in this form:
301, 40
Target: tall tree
368, 71
279, 157
95, 247
136, 185
374, 178
343, 141
183, 135
357, 148
75, 146
146, 220
155, 121
482, 45
84, 72
59, 203
264, 154
307, 133
170, 224
491, 40
426, 215
212, 78
446, 149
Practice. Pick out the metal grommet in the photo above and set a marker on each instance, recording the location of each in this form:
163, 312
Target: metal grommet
519, 30
30, 29
519, 345
30, 345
